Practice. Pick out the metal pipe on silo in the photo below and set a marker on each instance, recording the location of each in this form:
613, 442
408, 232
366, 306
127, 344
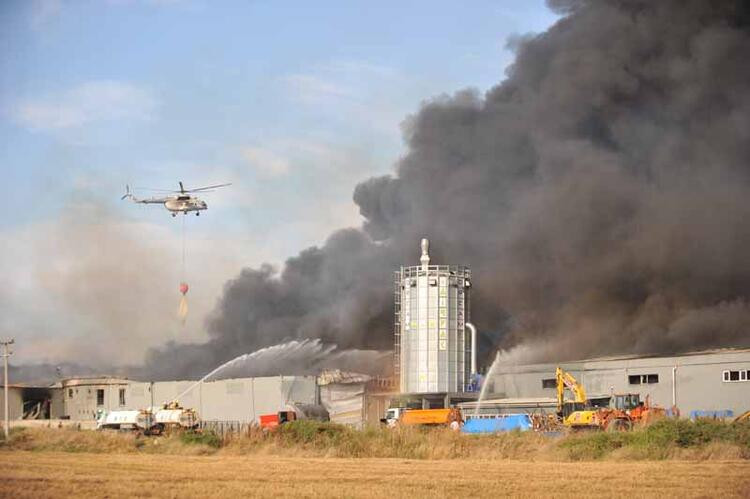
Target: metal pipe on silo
473, 330
425, 259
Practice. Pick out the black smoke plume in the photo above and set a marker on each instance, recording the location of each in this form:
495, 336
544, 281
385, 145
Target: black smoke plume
601, 194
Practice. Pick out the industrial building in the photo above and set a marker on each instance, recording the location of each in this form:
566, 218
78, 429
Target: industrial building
711, 383
242, 399
432, 351
349, 398
707, 383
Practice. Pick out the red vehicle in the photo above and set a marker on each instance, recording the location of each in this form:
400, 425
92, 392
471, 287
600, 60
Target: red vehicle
270, 422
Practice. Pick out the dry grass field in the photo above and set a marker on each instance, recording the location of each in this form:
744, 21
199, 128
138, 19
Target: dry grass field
54, 474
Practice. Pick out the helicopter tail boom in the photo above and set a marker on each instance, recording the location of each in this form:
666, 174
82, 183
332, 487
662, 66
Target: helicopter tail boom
129, 195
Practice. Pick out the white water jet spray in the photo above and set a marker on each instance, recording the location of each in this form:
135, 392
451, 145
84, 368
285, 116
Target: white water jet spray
486, 383
306, 356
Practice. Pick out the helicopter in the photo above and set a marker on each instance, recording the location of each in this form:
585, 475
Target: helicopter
182, 200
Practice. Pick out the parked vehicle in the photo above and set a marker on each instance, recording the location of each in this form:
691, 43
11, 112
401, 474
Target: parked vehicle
270, 422
123, 420
622, 412
424, 417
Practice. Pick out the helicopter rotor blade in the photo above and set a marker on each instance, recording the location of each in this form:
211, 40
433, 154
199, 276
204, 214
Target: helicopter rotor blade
208, 187
153, 190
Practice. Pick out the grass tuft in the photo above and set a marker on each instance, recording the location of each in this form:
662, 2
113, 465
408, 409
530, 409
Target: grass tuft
209, 439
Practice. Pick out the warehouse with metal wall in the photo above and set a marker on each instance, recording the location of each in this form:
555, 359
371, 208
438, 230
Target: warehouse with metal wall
699, 383
242, 399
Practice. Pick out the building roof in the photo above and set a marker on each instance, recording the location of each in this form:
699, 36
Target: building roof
513, 402
621, 357
330, 376
663, 355
94, 380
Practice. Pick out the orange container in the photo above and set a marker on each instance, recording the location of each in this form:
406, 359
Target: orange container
430, 416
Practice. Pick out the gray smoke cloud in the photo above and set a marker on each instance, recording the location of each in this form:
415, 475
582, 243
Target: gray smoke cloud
600, 194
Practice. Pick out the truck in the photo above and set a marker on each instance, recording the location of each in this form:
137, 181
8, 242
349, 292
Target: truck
123, 420
398, 416
173, 417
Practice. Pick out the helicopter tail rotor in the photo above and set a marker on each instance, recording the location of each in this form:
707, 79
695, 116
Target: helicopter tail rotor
127, 193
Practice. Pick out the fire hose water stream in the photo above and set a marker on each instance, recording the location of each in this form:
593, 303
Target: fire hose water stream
488, 377
296, 357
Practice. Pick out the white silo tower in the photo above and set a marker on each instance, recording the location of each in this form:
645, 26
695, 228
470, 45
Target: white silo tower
433, 351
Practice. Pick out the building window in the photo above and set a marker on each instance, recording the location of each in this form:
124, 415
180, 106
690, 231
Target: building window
122, 396
732, 376
643, 379
100, 397
549, 383
70, 393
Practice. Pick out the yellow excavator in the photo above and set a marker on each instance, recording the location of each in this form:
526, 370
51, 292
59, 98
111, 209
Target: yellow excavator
566, 380
580, 415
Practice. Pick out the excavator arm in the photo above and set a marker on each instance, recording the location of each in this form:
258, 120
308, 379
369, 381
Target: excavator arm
566, 380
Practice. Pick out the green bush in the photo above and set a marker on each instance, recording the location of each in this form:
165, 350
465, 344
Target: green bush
594, 444
208, 438
658, 440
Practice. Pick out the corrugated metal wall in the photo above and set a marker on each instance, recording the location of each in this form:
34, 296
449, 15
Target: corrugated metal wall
344, 402
698, 380
243, 399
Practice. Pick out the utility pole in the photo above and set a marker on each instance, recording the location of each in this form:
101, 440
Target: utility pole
6, 353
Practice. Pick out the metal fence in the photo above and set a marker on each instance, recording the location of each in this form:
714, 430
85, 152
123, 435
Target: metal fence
227, 428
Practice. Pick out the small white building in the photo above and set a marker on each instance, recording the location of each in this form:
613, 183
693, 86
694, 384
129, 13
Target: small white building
83, 397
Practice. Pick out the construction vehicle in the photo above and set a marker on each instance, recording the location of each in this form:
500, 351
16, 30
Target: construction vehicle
580, 414
566, 380
640, 412
614, 413
424, 417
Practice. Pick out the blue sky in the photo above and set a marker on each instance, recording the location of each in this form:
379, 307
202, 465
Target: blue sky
293, 102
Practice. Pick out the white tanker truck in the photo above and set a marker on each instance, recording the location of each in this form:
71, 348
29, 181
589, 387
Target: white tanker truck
152, 421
